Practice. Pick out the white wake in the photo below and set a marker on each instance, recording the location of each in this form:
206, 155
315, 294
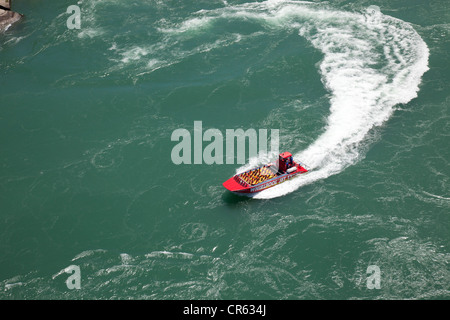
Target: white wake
371, 63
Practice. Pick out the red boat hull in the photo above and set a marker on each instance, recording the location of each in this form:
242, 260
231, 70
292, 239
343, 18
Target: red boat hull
237, 185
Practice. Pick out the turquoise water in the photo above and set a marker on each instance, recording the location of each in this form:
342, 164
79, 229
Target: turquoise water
358, 91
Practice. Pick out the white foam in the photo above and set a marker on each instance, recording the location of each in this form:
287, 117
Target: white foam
362, 96
90, 33
169, 254
371, 63
133, 54
87, 253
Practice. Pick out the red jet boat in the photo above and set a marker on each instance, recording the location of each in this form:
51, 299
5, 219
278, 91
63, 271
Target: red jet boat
269, 175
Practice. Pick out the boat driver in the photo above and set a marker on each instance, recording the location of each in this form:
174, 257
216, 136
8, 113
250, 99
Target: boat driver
289, 162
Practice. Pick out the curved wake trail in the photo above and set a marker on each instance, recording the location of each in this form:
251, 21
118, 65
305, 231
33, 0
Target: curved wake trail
371, 63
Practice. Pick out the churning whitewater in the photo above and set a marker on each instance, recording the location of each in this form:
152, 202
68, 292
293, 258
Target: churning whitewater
371, 63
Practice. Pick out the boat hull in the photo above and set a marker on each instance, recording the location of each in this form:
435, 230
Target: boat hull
236, 185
